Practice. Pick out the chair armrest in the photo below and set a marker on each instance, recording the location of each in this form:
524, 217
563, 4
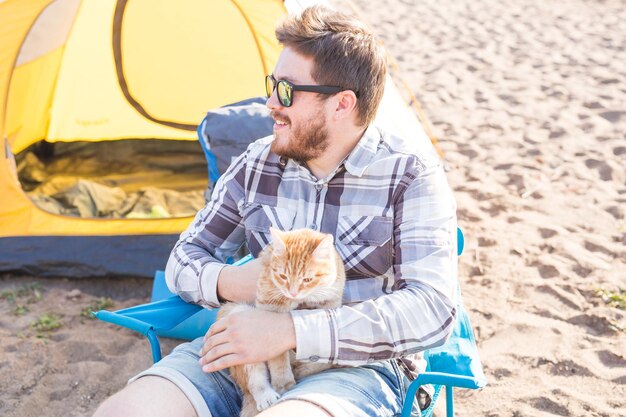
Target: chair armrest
123, 321
159, 315
442, 378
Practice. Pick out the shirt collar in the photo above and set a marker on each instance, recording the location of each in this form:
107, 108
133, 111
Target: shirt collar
364, 152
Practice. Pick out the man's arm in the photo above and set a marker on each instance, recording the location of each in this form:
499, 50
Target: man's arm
419, 314
196, 269
238, 283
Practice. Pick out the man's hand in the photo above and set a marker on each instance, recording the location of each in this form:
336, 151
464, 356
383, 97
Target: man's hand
247, 337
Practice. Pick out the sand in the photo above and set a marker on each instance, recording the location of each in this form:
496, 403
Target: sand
528, 100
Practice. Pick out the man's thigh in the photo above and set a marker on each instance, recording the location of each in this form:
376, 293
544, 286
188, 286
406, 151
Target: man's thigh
211, 394
372, 390
147, 397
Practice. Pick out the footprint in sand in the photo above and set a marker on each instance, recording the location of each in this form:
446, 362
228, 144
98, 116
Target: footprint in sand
605, 171
547, 233
611, 360
83, 351
566, 297
620, 380
546, 270
569, 368
549, 406
615, 211
500, 373
60, 337
517, 181
597, 325
60, 395
593, 247
11, 348
486, 242
494, 209
613, 116
470, 153
466, 215
120, 347
582, 271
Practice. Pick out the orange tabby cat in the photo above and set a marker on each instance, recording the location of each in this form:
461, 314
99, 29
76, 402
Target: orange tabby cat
301, 269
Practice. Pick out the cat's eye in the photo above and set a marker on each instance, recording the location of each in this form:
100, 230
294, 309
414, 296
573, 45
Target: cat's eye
282, 276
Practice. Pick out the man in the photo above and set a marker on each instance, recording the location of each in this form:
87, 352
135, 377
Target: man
393, 218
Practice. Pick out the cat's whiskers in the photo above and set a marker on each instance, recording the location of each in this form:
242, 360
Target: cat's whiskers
323, 293
274, 297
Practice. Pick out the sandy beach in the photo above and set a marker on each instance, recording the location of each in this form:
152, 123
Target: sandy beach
528, 101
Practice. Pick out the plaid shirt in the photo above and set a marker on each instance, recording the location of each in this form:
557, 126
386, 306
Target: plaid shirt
392, 214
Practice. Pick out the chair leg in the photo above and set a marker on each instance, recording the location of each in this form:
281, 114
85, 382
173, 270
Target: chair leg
449, 401
409, 398
154, 345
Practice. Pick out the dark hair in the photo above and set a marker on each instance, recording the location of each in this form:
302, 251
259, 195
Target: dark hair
345, 53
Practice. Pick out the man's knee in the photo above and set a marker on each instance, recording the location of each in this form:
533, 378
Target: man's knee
147, 397
119, 404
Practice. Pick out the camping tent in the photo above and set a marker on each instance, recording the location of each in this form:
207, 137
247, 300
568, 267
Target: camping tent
109, 71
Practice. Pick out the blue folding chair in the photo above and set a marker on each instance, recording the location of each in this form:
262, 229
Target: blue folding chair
455, 364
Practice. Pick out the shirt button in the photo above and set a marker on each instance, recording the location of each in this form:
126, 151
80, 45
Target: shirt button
314, 358
318, 186
313, 227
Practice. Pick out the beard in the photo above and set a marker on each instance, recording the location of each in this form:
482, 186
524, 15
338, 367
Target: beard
307, 140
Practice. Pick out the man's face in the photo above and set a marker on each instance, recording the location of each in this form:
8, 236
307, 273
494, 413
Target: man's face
300, 131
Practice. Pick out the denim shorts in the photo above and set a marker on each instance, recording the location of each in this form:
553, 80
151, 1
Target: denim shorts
376, 389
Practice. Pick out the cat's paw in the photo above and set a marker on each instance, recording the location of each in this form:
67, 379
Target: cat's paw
248, 410
266, 399
283, 386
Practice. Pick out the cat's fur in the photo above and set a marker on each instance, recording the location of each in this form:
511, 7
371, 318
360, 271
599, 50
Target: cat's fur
301, 269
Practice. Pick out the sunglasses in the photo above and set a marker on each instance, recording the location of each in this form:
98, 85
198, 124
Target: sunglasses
285, 89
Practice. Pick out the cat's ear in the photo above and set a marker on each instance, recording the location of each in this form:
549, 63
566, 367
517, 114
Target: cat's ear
278, 244
324, 258
325, 248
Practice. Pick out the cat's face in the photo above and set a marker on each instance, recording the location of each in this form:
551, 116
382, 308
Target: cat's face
303, 265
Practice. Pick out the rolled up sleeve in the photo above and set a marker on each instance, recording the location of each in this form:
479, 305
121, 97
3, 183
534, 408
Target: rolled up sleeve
316, 335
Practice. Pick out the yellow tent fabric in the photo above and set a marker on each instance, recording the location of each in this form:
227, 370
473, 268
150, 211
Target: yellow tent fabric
137, 69
97, 70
